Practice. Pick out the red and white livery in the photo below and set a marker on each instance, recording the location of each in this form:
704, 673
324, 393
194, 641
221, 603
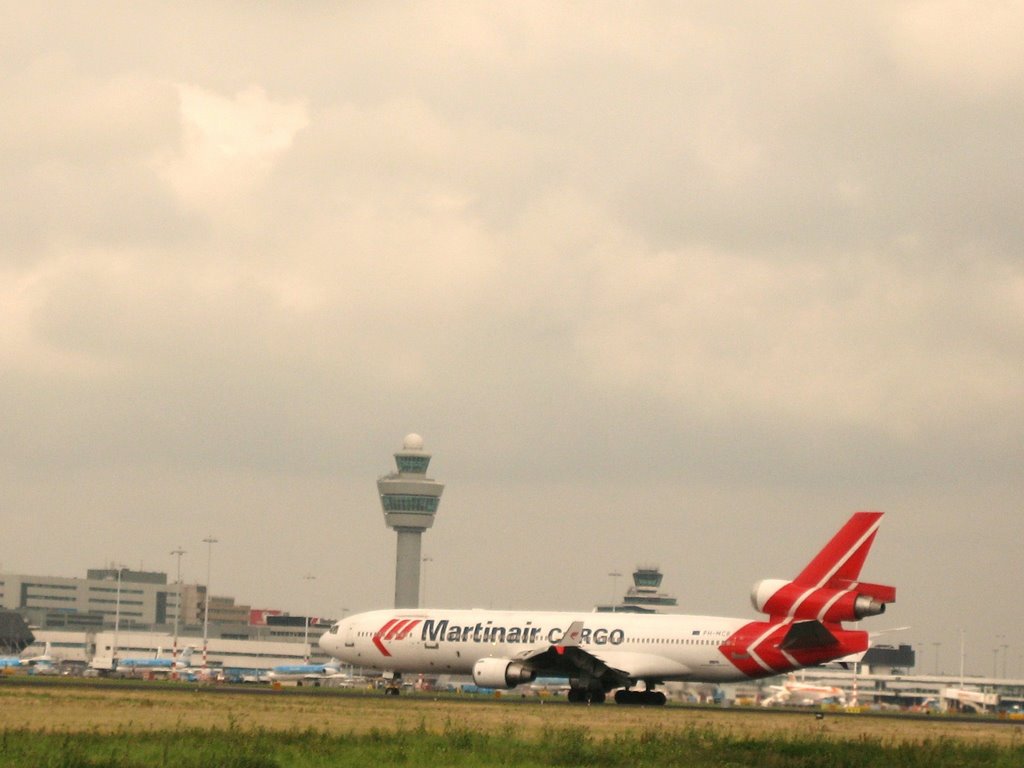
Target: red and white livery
601, 652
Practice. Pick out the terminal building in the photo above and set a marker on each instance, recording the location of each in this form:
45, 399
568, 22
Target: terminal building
107, 596
127, 613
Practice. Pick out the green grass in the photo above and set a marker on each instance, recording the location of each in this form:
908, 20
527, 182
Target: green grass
458, 746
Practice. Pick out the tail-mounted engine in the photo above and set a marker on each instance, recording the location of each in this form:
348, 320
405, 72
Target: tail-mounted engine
826, 604
501, 673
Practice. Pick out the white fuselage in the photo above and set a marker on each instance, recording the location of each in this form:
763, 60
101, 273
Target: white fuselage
646, 646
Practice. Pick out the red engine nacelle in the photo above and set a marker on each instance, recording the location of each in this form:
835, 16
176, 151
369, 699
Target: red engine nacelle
826, 604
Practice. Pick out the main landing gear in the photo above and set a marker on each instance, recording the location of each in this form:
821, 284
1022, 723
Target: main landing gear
648, 697
585, 696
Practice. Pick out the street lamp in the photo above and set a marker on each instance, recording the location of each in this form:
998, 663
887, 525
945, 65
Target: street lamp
305, 637
209, 541
963, 656
177, 615
117, 615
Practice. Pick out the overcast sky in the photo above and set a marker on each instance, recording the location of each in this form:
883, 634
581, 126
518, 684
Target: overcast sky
672, 283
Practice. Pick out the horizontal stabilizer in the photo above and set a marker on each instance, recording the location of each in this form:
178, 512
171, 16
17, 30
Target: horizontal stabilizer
881, 592
807, 634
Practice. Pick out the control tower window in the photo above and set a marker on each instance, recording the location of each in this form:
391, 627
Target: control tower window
416, 465
398, 502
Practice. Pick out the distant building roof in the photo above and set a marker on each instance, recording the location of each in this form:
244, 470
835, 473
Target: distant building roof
127, 574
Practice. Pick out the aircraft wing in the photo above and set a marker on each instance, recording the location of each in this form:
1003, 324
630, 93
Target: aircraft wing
569, 659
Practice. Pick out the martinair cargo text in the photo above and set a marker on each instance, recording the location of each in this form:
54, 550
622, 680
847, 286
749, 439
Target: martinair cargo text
601, 652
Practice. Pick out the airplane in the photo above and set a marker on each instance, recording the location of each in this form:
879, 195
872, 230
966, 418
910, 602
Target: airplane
43, 664
300, 673
155, 664
794, 693
602, 652
44, 658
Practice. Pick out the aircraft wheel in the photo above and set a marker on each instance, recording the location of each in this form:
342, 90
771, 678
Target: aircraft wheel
627, 697
640, 698
597, 697
576, 696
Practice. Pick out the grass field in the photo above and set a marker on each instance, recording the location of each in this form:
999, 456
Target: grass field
167, 724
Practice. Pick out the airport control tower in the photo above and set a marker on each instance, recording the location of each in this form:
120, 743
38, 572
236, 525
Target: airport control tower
409, 499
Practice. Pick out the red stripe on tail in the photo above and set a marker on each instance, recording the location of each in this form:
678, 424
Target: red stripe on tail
841, 560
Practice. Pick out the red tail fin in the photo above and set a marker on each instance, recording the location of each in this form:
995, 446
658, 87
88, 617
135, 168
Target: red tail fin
828, 589
839, 562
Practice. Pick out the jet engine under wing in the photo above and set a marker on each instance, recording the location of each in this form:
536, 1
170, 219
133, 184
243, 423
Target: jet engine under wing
571, 660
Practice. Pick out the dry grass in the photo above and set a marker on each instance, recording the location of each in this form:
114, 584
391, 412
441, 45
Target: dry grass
72, 709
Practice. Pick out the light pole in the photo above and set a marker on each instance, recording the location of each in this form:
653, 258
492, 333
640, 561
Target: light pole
177, 614
423, 597
117, 616
209, 541
963, 656
305, 637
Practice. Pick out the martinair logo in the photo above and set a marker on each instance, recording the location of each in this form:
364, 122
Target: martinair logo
435, 631
396, 629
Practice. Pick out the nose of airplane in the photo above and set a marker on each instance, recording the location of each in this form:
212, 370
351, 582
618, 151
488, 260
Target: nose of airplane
330, 641
325, 638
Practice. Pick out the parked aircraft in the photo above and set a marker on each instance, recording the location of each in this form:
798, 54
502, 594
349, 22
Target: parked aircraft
311, 674
44, 658
43, 664
155, 664
795, 693
601, 652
